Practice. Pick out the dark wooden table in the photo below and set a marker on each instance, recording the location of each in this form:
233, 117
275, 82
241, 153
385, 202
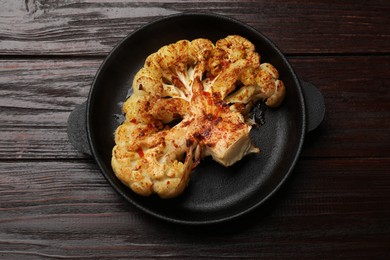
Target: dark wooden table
54, 202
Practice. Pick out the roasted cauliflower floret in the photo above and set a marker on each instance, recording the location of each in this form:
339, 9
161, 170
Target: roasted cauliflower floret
191, 99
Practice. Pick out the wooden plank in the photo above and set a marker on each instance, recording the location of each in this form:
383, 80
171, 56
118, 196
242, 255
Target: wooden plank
66, 209
86, 27
37, 143
357, 103
37, 96
45, 85
55, 203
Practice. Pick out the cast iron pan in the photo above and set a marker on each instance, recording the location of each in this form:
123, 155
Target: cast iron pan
215, 194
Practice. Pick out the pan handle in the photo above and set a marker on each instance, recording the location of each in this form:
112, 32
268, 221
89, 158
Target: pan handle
77, 129
315, 105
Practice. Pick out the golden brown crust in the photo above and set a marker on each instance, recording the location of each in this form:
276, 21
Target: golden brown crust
190, 100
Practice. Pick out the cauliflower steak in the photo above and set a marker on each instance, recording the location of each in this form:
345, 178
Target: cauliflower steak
191, 99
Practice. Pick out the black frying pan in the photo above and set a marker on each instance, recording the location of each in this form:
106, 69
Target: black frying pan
215, 193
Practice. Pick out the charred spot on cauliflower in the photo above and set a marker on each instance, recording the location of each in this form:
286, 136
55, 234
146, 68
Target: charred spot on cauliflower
191, 99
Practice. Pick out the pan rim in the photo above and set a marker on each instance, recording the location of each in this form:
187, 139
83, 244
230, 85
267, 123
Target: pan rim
158, 215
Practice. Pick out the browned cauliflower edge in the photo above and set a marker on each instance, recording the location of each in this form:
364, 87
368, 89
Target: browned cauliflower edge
191, 99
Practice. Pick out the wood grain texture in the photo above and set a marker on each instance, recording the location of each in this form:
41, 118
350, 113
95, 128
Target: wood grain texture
357, 98
66, 209
51, 85
84, 27
55, 203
